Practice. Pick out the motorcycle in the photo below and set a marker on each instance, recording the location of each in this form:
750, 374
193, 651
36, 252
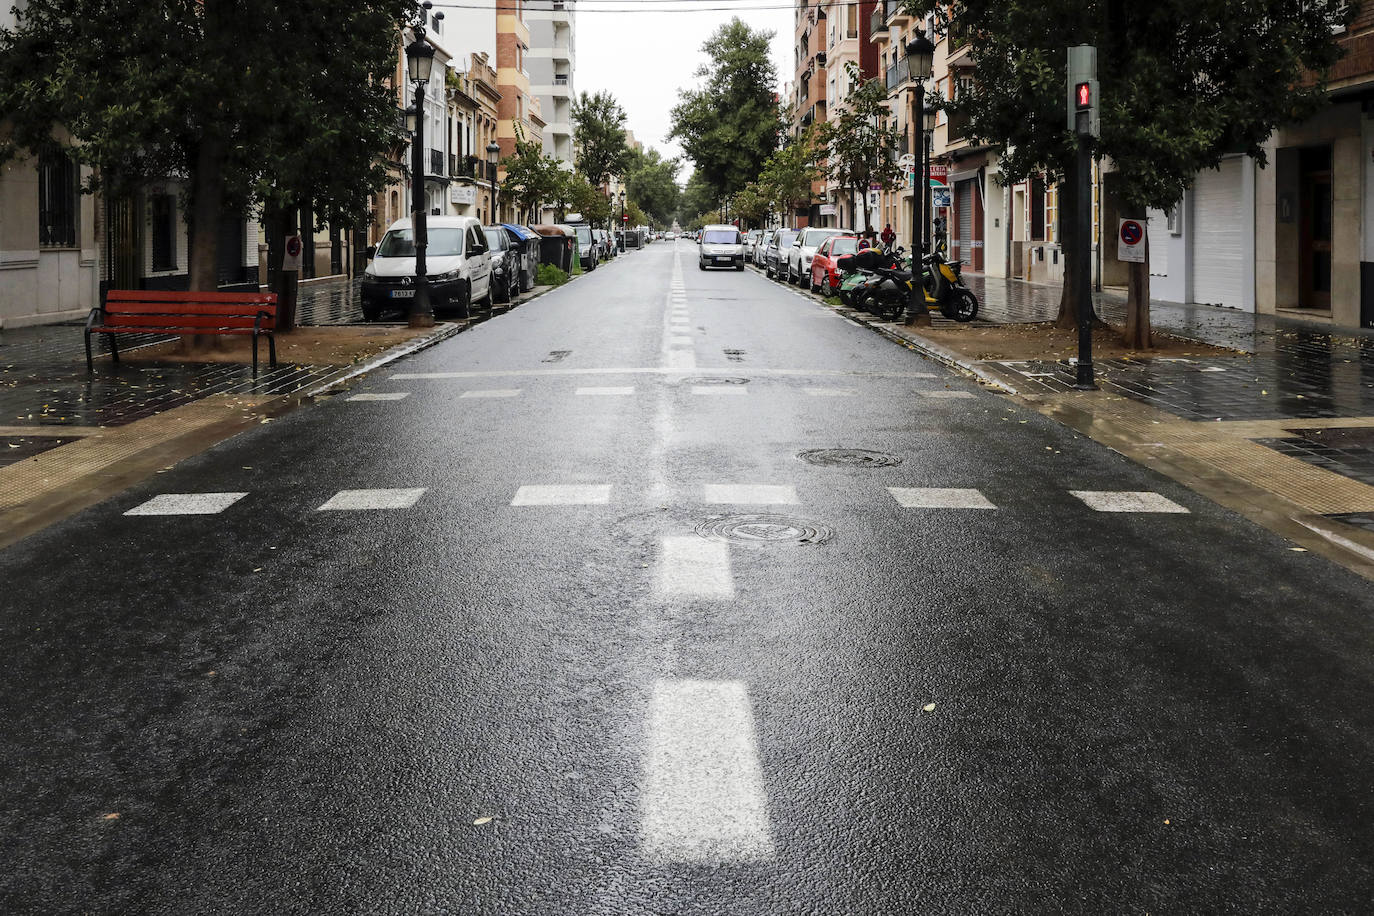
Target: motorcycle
875, 282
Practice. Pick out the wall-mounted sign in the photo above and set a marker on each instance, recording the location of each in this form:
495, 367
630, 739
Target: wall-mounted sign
941, 197
1131, 242
827, 209
291, 260
462, 194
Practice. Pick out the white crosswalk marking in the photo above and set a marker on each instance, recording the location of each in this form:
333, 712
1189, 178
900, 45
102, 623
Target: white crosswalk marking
607, 391
359, 500
381, 396
187, 504
944, 393
750, 494
690, 567
562, 495
939, 498
491, 393
704, 798
831, 392
1127, 501
679, 341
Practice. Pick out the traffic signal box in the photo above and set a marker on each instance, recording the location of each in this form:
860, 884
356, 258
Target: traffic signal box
1084, 104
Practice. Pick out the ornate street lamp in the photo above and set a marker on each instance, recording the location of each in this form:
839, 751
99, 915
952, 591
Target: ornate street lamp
622, 219
493, 157
420, 59
920, 63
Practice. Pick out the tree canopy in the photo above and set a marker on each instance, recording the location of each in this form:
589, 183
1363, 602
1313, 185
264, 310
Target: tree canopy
251, 101
860, 146
532, 178
599, 134
651, 182
730, 125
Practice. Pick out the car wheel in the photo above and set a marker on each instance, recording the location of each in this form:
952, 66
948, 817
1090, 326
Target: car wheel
701, 265
371, 313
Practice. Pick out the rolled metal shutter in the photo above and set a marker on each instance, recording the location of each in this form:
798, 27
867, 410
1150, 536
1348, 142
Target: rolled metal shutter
965, 192
1218, 243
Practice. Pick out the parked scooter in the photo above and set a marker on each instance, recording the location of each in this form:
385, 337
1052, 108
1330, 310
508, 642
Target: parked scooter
877, 283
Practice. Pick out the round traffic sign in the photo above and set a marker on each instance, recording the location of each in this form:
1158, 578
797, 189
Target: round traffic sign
293, 246
1132, 232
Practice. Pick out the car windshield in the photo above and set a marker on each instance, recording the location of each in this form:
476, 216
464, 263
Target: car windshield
496, 239
844, 246
400, 243
584, 234
721, 237
785, 239
815, 237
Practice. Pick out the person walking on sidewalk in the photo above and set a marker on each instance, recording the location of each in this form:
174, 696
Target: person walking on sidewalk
888, 236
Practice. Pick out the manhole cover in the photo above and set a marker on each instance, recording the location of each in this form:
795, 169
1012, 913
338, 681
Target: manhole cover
716, 381
849, 457
763, 529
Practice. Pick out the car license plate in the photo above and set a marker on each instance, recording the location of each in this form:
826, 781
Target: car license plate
722, 260
403, 294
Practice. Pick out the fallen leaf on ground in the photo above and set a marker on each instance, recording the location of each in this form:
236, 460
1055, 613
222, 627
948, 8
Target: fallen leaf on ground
112, 816
929, 707
481, 820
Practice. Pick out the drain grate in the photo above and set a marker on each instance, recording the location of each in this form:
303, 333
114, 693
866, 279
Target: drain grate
715, 381
763, 529
735, 356
556, 356
849, 458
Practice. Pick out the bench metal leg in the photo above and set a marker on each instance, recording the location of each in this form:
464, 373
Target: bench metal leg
114, 346
255, 355
272, 348
90, 366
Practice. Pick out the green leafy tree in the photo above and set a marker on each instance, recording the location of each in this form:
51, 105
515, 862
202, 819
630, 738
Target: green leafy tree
752, 204
532, 178
860, 146
730, 126
599, 135
697, 198
587, 200
789, 173
651, 181
1183, 83
254, 102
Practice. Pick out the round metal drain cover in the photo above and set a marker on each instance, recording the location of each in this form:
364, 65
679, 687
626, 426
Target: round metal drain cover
849, 457
715, 381
763, 529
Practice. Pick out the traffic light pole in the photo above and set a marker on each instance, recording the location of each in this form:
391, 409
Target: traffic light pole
1083, 267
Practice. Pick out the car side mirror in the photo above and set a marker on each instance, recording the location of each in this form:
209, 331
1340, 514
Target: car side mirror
371, 252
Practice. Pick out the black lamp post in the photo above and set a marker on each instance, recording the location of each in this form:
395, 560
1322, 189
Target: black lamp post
493, 157
920, 62
420, 58
622, 219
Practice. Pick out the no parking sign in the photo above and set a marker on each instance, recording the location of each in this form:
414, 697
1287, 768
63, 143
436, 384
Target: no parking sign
1130, 241
291, 260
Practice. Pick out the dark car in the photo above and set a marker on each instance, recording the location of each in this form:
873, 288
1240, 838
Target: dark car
505, 264
775, 256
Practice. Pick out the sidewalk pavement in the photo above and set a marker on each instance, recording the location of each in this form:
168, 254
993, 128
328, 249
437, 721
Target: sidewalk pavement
1282, 432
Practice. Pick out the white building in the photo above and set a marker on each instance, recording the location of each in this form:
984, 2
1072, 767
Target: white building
550, 63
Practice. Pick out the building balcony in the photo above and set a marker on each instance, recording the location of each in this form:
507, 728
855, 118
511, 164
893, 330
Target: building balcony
897, 16
877, 25
897, 75
436, 162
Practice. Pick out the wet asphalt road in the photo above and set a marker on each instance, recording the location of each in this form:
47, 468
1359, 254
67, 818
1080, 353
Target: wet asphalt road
474, 706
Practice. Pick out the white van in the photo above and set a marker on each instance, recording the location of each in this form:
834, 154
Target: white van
457, 264
720, 246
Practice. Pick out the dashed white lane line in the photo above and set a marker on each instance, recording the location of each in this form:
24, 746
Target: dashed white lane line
380, 396
719, 390
704, 798
942, 393
751, 494
562, 495
361, 500
491, 393
831, 392
606, 392
187, 504
1127, 501
679, 341
690, 567
939, 498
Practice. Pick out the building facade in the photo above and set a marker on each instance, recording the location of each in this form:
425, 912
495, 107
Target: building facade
552, 52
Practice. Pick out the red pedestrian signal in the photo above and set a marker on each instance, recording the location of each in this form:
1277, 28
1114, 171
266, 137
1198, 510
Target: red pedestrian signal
1085, 96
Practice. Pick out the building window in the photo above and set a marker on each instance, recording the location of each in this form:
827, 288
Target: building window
57, 213
164, 214
1037, 210
1052, 213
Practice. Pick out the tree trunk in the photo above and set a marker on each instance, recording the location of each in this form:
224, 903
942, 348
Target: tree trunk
863, 204
1068, 246
280, 223
207, 196
1138, 335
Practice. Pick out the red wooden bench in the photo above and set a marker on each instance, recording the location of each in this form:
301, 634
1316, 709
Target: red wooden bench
175, 312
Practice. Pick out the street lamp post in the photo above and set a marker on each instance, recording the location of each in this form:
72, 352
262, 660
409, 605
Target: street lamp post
622, 220
927, 146
920, 62
493, 157
420, 58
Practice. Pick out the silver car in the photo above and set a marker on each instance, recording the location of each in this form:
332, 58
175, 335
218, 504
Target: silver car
799, 255
720, 246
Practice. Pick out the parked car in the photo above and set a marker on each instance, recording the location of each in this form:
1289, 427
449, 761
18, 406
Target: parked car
775, 256
825, 274
457, 264
751, 242
670, 236
720, 246
586, 246
800, 254
505, 263
756, 256
604, 247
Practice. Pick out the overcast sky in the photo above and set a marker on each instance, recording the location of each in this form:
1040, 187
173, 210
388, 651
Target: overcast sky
643, 54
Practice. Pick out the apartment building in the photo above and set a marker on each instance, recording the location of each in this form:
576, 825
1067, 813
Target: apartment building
809, 103
846, 42
552, 50
474, 103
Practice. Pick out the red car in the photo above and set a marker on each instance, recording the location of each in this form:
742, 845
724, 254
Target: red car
825, 276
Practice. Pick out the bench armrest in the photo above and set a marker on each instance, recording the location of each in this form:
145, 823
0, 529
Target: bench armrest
96, 313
